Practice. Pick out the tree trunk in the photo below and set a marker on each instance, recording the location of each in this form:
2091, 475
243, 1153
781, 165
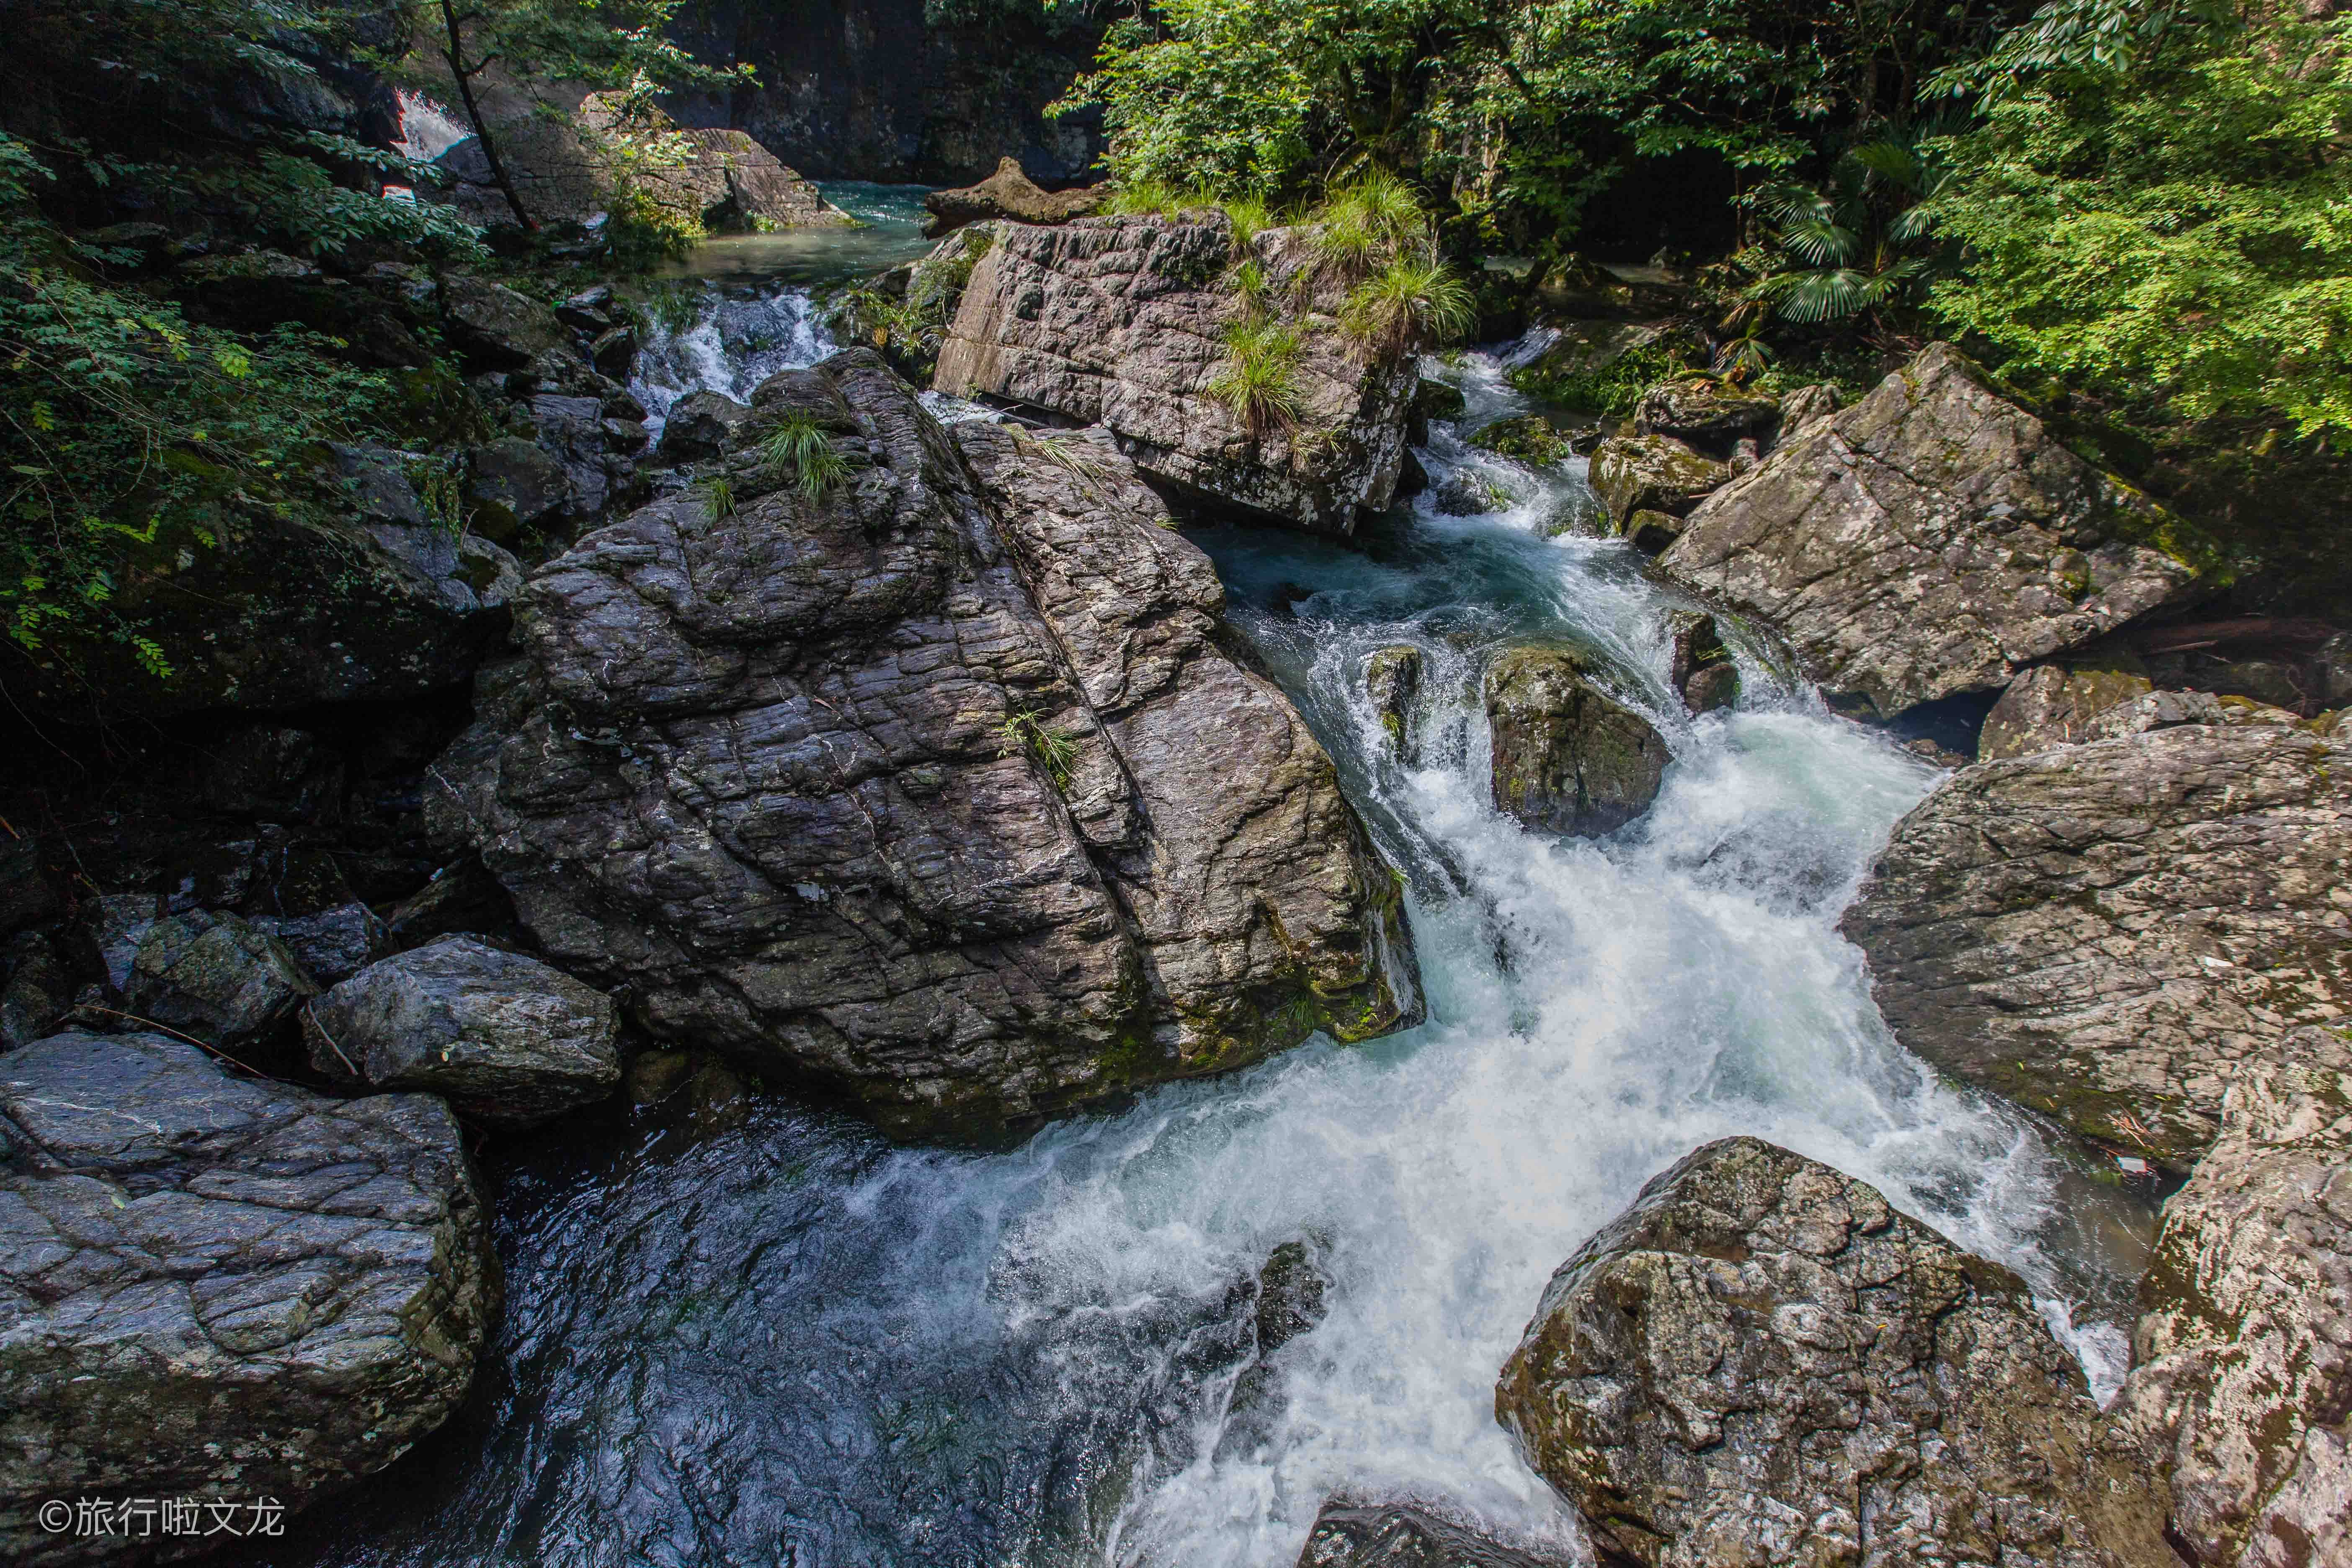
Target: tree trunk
456, 55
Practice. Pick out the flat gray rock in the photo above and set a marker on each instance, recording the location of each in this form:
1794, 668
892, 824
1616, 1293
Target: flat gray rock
508, 1040
220, 1288
1932, 540
2099, 932
1761, 1362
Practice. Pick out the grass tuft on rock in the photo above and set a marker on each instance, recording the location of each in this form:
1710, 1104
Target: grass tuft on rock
1259, 380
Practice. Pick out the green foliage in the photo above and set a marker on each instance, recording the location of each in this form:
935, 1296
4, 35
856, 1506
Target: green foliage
1053, 17
641, 233
1520, 112
1259, 379
1054, 750
1252, 286
1613, 387
2179, 231
800, 445
1860, 244
1411, 300
133, 438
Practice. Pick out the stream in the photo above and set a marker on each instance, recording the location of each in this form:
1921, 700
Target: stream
793, 1343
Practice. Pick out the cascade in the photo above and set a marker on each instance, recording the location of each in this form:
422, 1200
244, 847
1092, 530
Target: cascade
794, 1342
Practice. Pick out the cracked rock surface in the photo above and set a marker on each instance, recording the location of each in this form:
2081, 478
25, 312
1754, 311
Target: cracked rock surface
2240, 1390
2100, 933
1931, 540
1761, 1362
211, 1286
1121, 322
938, 788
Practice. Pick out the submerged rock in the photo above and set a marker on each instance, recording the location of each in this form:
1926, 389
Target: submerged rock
1526, 438
1565, 756
217, 1287
1405, 1535
1698, 667
1008, 194
1392, 681
2100, 933
1932, 540
508, 1040
934, 785
1760, 1362
1122, 322
2240, 1390
1634, 474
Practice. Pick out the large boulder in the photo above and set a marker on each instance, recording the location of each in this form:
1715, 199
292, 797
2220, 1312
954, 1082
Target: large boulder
933, 784
2100, 933
2240, 1390
1121, 322
1406, 1536
217, 1287
727, 181
1009, 195
508, 1040
569, 153
1932, 540
1761, 1361
495, 327
1567, 756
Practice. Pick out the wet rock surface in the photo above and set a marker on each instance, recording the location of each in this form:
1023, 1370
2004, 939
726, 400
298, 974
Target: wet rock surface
220, 1288
1761, 1361
2098, 933
1393, 678
1567, 756
508, 1040
1007, 194
1704, 414
2240, 1392
1405, 1535
1636, 474
1932, 540
1122, 322
935, 786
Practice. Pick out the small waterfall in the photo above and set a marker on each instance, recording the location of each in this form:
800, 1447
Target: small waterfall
794, 1343
706, 338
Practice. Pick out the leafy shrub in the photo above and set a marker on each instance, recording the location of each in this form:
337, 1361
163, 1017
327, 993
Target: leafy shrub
2160, 214
133, 438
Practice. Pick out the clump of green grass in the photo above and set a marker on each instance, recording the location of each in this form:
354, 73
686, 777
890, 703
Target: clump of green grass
1369, 220
1256, 289
1055, 751
1145, 199
1259, 380
1249, 217
717, 497
1412, 299
798, 443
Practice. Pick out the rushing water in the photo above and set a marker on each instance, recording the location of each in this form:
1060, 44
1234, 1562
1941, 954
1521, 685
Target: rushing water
791, 1343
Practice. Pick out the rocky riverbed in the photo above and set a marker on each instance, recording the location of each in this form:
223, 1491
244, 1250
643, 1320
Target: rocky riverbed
1028, 970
